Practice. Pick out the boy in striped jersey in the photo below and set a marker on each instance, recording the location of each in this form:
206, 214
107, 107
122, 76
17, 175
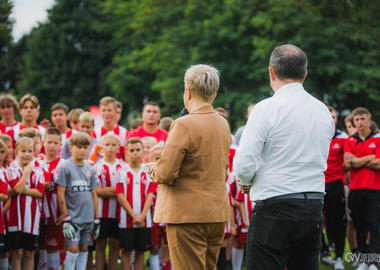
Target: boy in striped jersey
54, 240
134, 193
107, 170
27, 185
3, 199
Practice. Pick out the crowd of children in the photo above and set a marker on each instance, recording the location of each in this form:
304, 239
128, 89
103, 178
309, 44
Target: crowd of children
67, 192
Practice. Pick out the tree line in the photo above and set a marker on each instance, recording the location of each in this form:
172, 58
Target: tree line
138, 50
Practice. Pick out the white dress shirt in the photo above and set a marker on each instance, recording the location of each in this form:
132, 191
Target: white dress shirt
285, 144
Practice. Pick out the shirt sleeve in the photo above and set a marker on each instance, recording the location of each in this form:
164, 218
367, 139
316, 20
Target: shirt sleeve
347, 146
40, 185
95, 182
3, 186
177, 144
61, 177
252, 142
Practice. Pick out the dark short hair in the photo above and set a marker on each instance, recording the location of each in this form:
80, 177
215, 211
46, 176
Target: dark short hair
331, 108
152, 103
289, 62
361, 111
60, 106
9, 100
53, 131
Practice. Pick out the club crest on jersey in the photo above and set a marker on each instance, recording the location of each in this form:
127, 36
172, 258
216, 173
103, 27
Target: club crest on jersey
104, 172
88, 173
336, 146
372, 145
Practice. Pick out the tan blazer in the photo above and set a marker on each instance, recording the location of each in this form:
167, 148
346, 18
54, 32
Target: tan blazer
192, 170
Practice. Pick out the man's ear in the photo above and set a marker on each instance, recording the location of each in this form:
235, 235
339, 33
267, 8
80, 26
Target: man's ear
272, 75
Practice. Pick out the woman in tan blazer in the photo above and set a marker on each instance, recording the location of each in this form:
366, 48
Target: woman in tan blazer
192, 197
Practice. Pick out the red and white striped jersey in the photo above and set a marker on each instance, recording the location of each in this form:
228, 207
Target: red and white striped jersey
40, 163
108, 175
119, 131
3, 190
14, 132
67, 135
4, 129
25, 211
229, 223
234, 191
50, 202
134, 186
248, 207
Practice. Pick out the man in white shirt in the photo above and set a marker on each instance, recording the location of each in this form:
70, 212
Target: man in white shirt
282, 154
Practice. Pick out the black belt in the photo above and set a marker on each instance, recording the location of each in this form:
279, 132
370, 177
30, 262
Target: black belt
298, 196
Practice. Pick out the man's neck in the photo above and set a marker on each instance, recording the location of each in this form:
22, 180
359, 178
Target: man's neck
150, 128
135, 166
195, 104
79, 162
28, 123
109, 126
8, 122
281, 83
110, 160
50, 158
364, 134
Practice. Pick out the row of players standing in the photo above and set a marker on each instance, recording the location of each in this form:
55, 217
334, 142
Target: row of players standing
352, 199
59, 185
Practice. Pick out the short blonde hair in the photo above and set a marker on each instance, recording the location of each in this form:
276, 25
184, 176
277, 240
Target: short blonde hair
108, 100
203, 81
80, 139
74, 114
109, 136
87, 117
5, 138
22, 142
149, 139
2, 144
29, 97
30, 132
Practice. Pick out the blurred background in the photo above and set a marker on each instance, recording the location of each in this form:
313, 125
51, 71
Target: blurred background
138, 50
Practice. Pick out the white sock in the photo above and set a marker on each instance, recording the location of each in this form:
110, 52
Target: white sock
53, 260
154, 261
4, 264
71, 259
82, 261
42, 261
237, 258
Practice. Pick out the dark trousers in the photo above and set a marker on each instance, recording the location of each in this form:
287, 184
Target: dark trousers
285, 233
365, 213
336, 222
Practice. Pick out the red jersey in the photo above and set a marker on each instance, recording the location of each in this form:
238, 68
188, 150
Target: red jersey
3, 190
109, 176
40, 163
4, 129
134, 186
50, 202
334, 170
364, 178
25, 211
161, 135
14, 132
119, 131
248, 207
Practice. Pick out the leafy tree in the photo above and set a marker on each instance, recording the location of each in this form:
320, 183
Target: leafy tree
5, 42
68, 57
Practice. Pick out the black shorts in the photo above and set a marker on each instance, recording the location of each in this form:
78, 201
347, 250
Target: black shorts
2, 243
41, 235
109, 227
137, 239
18, 240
